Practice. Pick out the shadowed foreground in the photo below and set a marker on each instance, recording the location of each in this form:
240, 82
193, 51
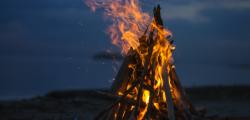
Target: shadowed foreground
229, 103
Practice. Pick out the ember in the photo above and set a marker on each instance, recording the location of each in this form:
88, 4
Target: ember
146, 86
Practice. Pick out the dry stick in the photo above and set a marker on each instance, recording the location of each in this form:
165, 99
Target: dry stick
151, 90
121, 111
138, 100
128, 113
180, 106
181, 91
168, 95
155, 113
118, 100
177, 82
115, 97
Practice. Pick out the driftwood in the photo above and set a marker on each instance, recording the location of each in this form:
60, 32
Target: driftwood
168, 94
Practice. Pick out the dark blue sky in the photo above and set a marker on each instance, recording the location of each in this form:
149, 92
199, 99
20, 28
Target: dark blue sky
48, 45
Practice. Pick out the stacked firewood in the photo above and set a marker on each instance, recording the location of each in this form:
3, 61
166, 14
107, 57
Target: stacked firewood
135, 79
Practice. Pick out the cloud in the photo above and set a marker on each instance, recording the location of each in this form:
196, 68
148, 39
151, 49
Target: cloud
233, 4
193, 11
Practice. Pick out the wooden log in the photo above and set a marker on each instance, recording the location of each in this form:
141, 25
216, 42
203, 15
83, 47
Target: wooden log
170, 105
138, 99
124, 73
181, 104
152, 92
187, 103
121, 111
157, 15
134, 84
128, 112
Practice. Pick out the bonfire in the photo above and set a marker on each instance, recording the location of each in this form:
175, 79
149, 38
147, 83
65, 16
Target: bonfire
146, 85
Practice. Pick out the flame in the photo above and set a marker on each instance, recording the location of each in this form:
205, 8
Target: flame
145, 96
145, 99
127, 18
129, 23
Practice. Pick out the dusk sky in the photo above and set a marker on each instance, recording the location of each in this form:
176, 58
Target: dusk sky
49, 44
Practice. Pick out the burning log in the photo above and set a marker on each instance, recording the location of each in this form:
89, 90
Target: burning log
147, 85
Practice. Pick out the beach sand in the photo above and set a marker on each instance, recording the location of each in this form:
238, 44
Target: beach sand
225, 102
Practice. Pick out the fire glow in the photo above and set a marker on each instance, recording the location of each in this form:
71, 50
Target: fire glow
147, 85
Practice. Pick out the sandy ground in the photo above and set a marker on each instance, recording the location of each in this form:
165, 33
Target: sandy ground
229, 103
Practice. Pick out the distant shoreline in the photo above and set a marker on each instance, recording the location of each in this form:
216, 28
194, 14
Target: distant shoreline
203, 88
225, 101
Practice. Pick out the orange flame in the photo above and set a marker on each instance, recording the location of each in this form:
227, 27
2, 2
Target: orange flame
127, 18
128, 25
